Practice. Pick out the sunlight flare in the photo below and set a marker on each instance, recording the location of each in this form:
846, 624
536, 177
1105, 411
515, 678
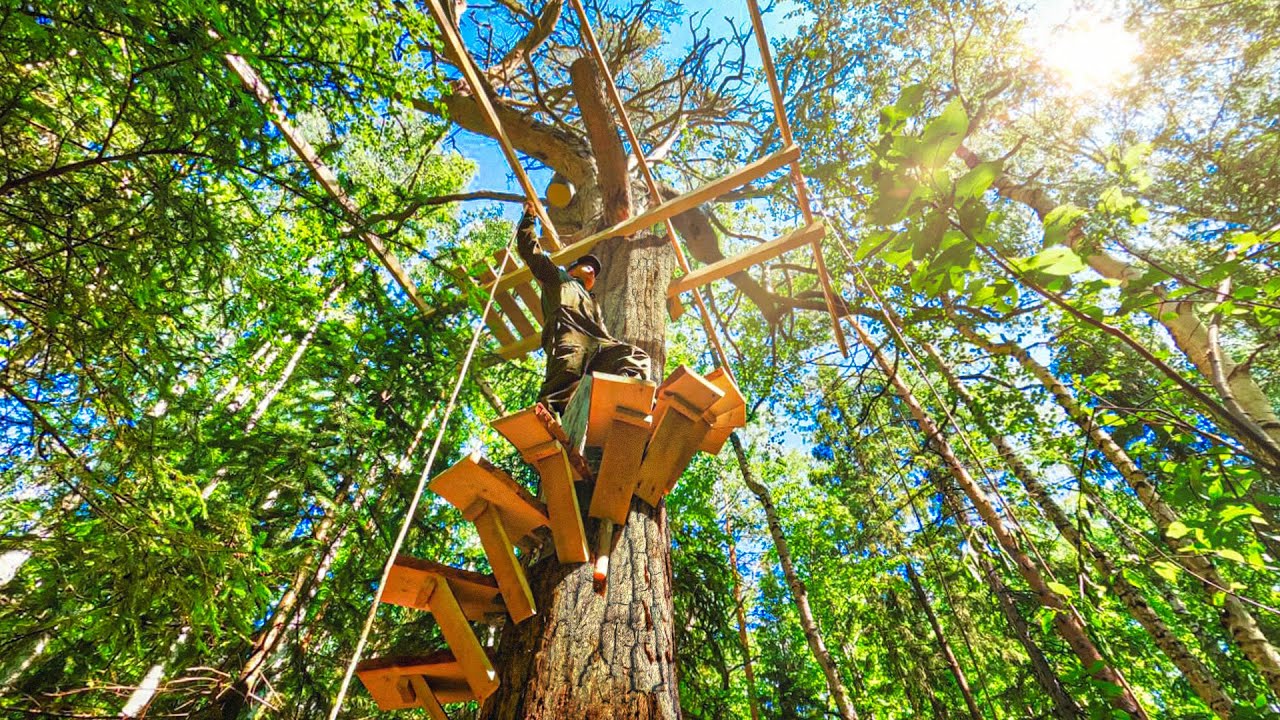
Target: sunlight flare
1089, 56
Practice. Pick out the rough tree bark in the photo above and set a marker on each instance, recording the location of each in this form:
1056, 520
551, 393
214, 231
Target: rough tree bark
799, 593
1065, 621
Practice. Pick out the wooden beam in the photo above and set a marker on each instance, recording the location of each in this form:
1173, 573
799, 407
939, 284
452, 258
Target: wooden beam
562, 507
680, 425
476, 593
668, 209
730, 413
386, 679
425, 698
502, 558
473, 478
609, 395
510, 308
520, 347
620, 466
535, 427
480, 90
754, 256
461, 639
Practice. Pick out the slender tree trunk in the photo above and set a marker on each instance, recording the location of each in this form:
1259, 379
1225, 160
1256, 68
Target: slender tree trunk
917, 590
910, 678
1066, 621
1236, 616
1197, 675
740, 611
799, 593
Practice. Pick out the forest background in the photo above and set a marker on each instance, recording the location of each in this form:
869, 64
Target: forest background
1056, 433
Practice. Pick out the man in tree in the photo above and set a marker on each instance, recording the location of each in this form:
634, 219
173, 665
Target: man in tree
575, 339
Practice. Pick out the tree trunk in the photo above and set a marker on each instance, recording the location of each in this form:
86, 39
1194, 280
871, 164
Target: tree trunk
1200, 678
1236, 617
799, 593
1065, 620
943, 644
607, 656
740, 611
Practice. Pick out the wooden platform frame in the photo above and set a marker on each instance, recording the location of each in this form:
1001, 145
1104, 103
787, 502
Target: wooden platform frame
730, 412
619, 421
477, 594
501, 510
423, 681
706, 274
681, 422
544, 451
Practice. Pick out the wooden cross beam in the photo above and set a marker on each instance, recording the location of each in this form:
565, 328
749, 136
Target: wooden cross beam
806, 235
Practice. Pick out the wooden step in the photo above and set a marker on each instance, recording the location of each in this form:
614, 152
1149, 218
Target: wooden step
681, 423
619, 421
420, 681
730, 412
529, 428
503, 512
544, 451
476, 593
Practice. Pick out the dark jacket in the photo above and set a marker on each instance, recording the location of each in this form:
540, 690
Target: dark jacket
569, 309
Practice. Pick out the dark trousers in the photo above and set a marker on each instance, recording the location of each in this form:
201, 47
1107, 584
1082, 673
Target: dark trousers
574, 355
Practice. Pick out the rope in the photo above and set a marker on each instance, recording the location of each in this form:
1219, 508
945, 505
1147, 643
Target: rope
417, 497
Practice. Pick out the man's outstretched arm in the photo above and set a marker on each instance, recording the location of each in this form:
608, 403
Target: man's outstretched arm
531, 252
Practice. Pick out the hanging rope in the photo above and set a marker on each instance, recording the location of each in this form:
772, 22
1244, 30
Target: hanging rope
417, 497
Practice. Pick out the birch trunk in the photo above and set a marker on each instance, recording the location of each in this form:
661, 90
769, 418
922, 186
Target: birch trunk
917, 590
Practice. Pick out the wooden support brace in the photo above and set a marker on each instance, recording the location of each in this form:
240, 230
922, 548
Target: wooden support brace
424, 698
461, 639
761, 253
535, 432
520, 348
562, 506
611, 394
730, 412
664, 211
502, 558
620, 467
680, 426
510, 308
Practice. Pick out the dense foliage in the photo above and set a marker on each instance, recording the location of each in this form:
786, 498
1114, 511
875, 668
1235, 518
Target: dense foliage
1055, 434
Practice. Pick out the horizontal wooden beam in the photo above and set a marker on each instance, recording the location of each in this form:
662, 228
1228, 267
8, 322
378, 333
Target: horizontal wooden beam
669, 209
724, 268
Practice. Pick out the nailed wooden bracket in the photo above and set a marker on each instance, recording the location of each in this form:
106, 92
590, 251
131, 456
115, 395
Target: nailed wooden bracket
390, 680
676, 435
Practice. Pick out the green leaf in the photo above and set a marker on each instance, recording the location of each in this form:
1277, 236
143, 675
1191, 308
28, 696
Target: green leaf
1059, 588
1229, 554
1057, 260
978, 180
1177, 530
943, 136
1166, 570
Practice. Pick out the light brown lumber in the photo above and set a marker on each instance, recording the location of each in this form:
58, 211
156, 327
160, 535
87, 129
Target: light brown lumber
668, 209
480, 90
461, 639
520, 347
506, 263
476, 593
609, 394
797, 177
638, 151
567, 531
473, 478
530, 430
754, 256
384, 679
730, 413
325, 177
502, 558
681, 423
492, 318
425, 698
620, 466
510, 308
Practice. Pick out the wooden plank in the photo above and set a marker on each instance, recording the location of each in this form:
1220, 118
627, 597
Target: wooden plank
425, 698
502, 558
730, 412
681, 423
530, 430
609, 395
474, 478
476, 593
492, 318
510, 308
382, 677
562, 506
724, 268
461, 639
619, 472
479, 90
520, 348
663, 211
532, 300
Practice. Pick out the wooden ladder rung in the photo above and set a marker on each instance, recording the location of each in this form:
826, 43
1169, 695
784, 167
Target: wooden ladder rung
524, 291
541, 448
493, 318
520, 348
510, 309
476, 593
807, 235
390, 680
681, 423
473, 478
